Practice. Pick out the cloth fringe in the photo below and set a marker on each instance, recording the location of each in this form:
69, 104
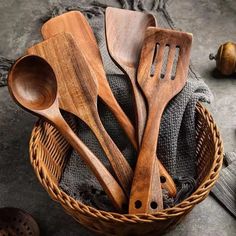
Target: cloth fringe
89, 11
5, 65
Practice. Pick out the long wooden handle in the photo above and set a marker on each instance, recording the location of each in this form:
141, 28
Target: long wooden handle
127, 126
141, 117
125, 123
107, 181
118, 162
139, 104
146, 193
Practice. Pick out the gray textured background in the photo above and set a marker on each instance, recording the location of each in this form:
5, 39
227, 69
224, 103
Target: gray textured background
212, 22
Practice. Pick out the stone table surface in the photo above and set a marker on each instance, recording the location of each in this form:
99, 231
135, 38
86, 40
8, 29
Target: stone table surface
211, 22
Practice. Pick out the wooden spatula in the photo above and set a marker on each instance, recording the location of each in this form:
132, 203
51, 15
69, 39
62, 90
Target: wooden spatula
162, 74
124, 42
125, 32
75, 23
77, 88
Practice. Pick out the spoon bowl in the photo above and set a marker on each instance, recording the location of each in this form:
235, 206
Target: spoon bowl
33, 83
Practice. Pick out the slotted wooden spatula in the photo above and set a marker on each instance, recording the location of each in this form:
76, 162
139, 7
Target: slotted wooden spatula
162, 74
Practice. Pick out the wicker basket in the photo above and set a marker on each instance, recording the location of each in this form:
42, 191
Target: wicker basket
49, 152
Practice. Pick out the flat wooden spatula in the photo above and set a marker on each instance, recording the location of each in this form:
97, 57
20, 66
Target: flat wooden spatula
162, 74
75, 23
77, 88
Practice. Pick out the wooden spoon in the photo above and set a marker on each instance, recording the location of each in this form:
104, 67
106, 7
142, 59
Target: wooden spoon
33, 86
75, 23
125, 31
77, 88
160, 82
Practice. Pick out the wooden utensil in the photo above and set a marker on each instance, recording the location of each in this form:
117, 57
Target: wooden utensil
160, 82
75, 23
125, 32
77, 90
124, 42
33, 86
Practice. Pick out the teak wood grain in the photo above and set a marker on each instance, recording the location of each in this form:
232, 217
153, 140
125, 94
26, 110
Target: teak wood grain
77, 88
159, 89
75, 23
33, 85
125, 31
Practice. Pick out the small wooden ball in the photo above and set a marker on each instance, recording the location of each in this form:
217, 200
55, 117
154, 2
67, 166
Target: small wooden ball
226, 58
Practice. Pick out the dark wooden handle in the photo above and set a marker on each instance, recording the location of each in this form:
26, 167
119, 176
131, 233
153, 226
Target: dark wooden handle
119, 114
118, 162
166, 180
146, 193
107, 181
141, 117
139, 104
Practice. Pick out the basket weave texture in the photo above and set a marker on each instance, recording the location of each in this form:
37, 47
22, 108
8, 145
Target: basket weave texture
49, 153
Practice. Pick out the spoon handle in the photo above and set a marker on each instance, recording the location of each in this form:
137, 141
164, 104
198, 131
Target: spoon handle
139, 104
107, 181
118, 162
146, 193
119, 114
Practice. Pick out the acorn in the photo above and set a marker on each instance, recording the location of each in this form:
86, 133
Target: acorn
225, 58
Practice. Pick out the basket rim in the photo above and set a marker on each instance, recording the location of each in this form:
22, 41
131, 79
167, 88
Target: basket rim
197, 196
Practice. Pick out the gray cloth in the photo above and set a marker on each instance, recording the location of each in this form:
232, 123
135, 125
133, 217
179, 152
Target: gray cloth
176, 146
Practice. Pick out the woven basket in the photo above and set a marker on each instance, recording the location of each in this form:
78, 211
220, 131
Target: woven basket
49, 153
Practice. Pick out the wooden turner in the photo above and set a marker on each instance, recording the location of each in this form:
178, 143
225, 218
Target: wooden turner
160, 82
77, 88
75, 23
